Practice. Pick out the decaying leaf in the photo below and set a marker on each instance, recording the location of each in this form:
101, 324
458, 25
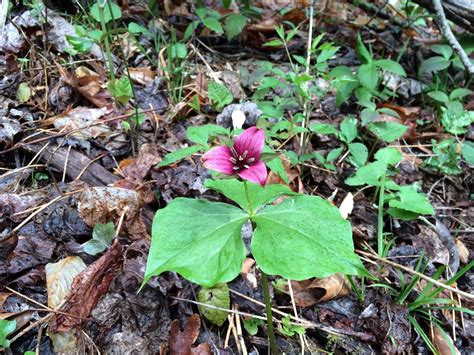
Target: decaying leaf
142, 75
181, 341
310, 292
104, 204
12, 204
83, 121
463, 251
217, 296
86, 289
443, 342
59, 279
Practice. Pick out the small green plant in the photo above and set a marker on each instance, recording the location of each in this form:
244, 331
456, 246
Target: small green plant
404, 202
219, 94
288, 329
251, 325
452, 102
6, 327
102, 236
446, 159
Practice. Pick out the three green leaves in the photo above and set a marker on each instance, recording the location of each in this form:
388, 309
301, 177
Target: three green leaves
300, 238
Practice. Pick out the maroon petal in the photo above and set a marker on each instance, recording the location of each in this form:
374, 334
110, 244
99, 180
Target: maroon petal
256, 173
251, 140
218, 159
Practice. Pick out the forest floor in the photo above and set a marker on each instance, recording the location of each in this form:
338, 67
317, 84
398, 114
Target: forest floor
96, 107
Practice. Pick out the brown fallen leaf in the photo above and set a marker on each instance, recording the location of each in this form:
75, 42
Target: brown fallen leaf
142, 75
105, 204
310, 292
463, 251
181, 342
86, 290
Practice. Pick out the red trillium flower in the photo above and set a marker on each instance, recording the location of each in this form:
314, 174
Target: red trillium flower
242, 159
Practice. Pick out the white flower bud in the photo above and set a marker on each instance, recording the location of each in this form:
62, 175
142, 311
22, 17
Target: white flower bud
238, 119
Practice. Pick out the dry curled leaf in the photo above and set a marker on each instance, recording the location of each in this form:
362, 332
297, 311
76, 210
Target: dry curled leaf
442, 342
87, 288
59, 279
106, 204
181, 341
310, 292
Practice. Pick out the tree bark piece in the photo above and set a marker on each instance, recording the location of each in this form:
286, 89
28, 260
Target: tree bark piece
461, 12
94, 175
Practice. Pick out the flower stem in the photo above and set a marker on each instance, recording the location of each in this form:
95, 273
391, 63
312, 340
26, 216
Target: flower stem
380, 245
249, 205
268, 311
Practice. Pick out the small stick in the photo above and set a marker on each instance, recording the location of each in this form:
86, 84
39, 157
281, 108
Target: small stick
89, 164
31, 326
230, 319
239, 333
293, 303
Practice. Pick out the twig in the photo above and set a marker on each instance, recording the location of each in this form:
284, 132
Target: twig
453, 42
295, 312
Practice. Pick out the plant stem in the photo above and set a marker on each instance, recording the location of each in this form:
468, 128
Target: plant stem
380, 217
249, 205
268, 311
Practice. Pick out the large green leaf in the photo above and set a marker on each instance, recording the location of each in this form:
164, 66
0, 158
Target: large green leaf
201, 134
179, 154
200, 240
304, 237
258, 195
390, 66
387, 131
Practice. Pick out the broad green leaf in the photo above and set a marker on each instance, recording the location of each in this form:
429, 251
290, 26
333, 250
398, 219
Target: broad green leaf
179, 154
390, 66
219, 94
213, 24
433, 64
387, 131
258, 195
304, 237
454, 107
323, 128
115, 14
234, 25
344, 85
217, 296
468, 152
201, 134
198, 239
367, 115
362, 50
348, 129
439, 96
388, 155
409, 199
359, 154
443, 49
459, 93
369, 174
368, 76
6, 327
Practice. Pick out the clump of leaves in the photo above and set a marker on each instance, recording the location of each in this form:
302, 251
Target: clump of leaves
219, 94
446, 159
289, 329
